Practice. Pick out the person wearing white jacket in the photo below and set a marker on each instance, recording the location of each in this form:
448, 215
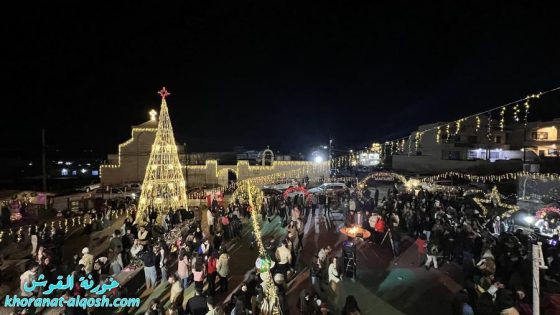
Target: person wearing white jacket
210, 219
334, 276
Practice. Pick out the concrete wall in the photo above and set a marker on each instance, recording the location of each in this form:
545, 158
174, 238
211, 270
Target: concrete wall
129, 164
212, 173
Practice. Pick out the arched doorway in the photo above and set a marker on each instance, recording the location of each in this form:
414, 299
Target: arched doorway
226, 176
232, 176
267, 156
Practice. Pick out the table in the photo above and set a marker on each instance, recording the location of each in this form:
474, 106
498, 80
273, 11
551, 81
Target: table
355, 231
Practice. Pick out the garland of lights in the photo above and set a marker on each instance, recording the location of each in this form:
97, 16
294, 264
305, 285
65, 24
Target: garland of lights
255, 197
66, 224
477, 119
491, 178
446, 127
470, 177
502, 118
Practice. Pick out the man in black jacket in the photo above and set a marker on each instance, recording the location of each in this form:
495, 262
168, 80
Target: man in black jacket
149, 259
197, 304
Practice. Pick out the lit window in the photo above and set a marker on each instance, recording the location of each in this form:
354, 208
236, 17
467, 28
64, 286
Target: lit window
74, 173
94, 173
540, 135
64, 172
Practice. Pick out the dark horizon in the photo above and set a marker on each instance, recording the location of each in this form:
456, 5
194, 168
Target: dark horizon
270, 74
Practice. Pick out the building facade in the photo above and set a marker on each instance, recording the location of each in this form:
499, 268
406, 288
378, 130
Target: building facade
539, 137
129, 163
470, 146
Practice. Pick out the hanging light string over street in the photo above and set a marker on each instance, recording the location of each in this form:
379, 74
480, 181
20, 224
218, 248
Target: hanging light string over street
524, 100
448, 130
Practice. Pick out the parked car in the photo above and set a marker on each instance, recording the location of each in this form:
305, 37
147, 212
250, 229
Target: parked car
135, 187
112, 192
281, 187
326, 187
88, 188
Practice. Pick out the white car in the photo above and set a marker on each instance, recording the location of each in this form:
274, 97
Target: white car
328, 187
88, 188
110, 193
281, 187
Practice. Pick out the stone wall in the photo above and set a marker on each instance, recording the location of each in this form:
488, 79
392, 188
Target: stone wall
211, 173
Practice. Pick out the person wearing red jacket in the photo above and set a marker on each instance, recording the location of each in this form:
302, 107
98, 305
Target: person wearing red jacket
212, 271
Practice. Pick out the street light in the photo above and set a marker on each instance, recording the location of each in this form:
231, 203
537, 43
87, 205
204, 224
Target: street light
318, 159
529, 219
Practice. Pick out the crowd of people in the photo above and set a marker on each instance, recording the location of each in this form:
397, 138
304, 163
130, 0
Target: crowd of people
446, 227
441, 228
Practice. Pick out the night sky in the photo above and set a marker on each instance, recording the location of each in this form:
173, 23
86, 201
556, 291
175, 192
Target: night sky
288, 75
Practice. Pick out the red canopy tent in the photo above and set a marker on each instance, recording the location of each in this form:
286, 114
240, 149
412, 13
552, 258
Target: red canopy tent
295, 189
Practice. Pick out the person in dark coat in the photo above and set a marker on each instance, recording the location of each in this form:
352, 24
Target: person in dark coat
6, 213
485, 305
197, 304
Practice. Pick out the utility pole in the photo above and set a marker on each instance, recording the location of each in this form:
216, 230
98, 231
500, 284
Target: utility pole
330, 155
186, 168
44, 159
538, 263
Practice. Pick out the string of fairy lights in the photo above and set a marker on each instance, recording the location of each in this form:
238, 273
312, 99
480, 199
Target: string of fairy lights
519, 112
66, 224
487, 121
470, 177
491, 178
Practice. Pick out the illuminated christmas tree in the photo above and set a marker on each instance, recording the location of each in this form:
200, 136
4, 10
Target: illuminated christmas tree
164, 185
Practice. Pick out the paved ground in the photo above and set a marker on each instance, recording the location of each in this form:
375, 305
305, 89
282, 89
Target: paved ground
383, 285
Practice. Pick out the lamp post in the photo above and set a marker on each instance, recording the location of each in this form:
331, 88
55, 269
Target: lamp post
44, 160
186, 168
330, 155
